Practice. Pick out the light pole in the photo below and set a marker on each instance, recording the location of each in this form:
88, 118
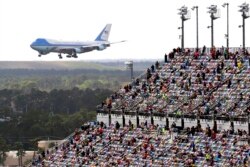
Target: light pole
244, 9
197, 29
180, 36
227, 36
183, 12
213, 10
212, 37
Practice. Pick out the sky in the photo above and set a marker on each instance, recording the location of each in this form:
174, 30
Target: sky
149, 26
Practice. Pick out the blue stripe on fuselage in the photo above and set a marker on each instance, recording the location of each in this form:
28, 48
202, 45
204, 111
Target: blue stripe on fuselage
44, 42
58, 45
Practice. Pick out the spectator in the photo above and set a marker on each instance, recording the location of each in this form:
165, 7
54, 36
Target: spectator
157, 65
153, 68
204, 50
166, 58
196, 54
117, 125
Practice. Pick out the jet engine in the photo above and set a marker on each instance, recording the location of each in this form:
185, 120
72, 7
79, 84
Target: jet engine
101, 47
77, 50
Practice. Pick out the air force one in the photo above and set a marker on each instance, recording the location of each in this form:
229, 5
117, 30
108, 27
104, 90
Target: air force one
45, 46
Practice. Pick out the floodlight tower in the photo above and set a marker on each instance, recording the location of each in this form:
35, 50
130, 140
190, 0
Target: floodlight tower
214, 15
245, 14
197, 29
185, 15
227, 35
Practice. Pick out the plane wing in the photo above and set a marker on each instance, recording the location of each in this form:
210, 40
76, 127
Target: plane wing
91, 46
94, 46
118, 42
81, 49
86, 48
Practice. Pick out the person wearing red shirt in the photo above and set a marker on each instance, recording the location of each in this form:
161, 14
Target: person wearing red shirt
196, 54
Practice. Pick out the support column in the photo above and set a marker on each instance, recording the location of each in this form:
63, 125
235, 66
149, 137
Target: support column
198, 124
137, 119
215, 123
152, 118
232, 124
243, 29
123, 117
182, 123
215, 126
182, 37
182, 120
109, 117
227, 26
167, 122
197, 30
248, 124
212, 31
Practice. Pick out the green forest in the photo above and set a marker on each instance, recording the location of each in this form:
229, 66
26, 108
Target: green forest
40, 115
40, 104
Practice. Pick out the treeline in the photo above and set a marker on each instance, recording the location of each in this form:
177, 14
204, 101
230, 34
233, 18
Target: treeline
47, 80
56, 101
40, 115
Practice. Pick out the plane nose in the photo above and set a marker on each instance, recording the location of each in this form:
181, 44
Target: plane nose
32, 46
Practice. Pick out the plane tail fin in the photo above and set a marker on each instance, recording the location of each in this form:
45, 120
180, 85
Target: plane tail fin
104, 34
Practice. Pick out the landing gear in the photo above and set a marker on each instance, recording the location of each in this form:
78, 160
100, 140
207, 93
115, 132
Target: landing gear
39, 55
68, 56
60, 56
75, 56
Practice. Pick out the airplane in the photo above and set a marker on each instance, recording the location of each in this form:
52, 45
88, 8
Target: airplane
45, 46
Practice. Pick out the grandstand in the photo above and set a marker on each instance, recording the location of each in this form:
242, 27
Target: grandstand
209, 89
191, 110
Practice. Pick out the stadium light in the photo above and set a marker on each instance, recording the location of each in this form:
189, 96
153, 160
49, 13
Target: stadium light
184, 16
244, 9
224, 5
214, 14
197, 29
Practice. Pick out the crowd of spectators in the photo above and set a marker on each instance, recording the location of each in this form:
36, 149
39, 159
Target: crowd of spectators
149, 145
190, 82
